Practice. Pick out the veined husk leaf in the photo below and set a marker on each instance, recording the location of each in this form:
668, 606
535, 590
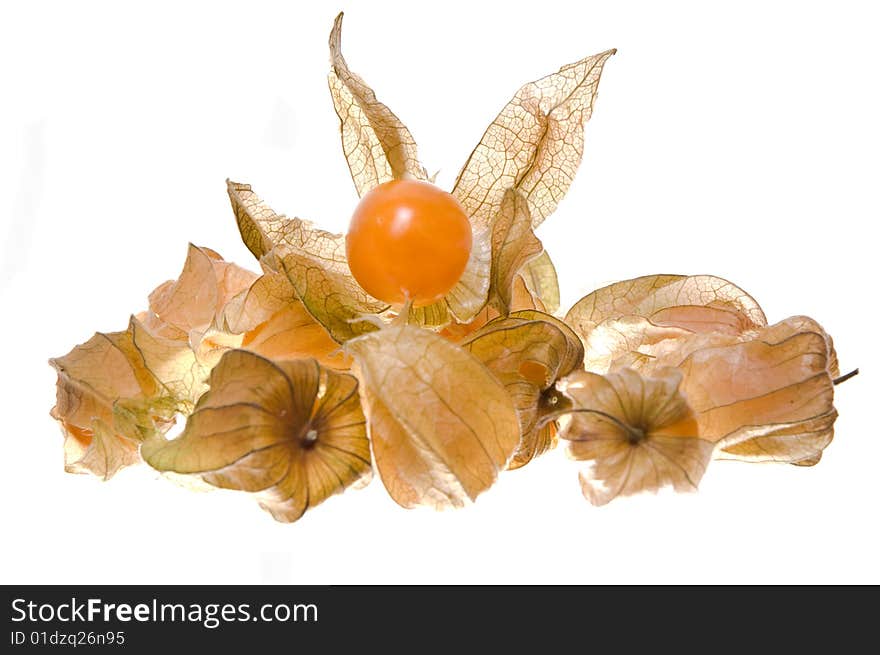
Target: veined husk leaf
441, 425
292, 332
513, 244
327, 290
699, 303
178, 308
797, 324
272, 321
174, 364
290, 431
630, 322
433, 316
521, 299
187, 310
260, 227
270, 293
634, 433
539, 276
103, 453
470, 293
377, 145
767, 398
534, 145
107, 401
528, 351
178, 337
313, 260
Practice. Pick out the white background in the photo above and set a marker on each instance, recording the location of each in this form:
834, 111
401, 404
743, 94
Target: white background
737, 139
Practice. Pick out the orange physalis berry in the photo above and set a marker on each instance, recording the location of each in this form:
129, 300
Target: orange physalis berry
408, 240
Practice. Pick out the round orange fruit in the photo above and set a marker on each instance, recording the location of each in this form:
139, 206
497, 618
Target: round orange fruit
408, 240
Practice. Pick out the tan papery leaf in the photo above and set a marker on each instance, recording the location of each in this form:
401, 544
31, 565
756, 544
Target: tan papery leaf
434, 316
329, 293
441, 425
795, 325
769, 398
539, 276
189, 304
528, 351
178, 335
292, 332
313, 260
521, 299
635, 433
470, 293
270, 293
106, 400
637, 319
513, 245
290, 431
259, 225
273, 322
377, 145
534, 145
174, 364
